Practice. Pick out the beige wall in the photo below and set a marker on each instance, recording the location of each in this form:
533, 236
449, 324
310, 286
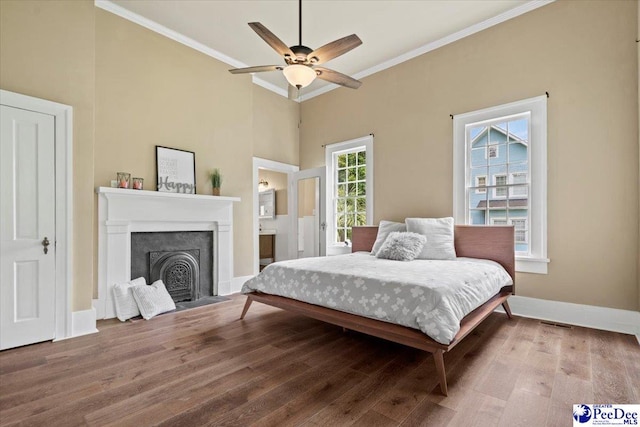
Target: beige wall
47, 51
153, 91
584, 54
275, 127
146, 90
279, 182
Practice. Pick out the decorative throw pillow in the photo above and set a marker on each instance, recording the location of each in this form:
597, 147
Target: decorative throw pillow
402, 246
126, 306
153, 299
384, 228
439, 234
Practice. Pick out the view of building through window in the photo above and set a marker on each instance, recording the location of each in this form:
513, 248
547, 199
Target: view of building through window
498, 161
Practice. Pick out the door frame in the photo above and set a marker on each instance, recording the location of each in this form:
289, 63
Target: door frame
260, 163
63, 117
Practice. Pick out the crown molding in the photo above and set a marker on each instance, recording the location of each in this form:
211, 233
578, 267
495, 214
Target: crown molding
187, 41
475, 28
167, 32
270, 86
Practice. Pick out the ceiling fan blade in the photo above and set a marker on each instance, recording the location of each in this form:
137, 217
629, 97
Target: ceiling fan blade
293, 93
337, 78
258, 69
334, 49
271, 39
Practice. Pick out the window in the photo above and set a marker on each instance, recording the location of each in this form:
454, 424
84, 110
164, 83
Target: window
350, 187
519, 187
519, 225
499, 186
481, 183
508, 144
350, 199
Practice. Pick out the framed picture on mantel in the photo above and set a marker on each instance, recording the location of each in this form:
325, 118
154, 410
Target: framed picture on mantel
176, 170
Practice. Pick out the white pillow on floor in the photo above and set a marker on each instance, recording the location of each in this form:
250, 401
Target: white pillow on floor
126, 305
153, 299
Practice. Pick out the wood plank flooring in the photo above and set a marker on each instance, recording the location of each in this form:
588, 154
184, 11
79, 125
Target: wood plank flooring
206, 367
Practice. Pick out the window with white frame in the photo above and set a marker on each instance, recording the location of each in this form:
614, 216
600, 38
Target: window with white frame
519, 187
350, 187
517, 167
519, 225
481, 183
499, 186
521, 234
491, 152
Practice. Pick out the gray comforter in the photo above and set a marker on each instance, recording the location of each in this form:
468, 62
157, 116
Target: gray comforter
429, 295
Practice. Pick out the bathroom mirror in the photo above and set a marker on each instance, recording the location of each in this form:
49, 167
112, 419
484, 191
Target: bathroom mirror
267, 204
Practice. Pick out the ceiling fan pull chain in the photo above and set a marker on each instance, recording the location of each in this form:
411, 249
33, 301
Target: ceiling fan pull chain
300, 22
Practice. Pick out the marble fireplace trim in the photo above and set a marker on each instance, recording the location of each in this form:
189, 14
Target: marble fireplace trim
121, 212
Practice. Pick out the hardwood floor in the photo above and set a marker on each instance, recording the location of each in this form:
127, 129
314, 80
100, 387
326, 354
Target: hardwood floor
205, 367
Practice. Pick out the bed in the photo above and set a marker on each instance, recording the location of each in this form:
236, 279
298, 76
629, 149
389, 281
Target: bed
472, 244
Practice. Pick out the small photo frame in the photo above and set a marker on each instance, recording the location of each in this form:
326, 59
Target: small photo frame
176, 170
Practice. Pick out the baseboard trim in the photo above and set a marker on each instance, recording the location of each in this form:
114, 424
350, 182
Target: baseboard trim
83, 322
589, 316
236, 284
604, 318
98, 306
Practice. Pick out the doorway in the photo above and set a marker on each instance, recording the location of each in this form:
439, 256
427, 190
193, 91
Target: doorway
304, 223
273, 232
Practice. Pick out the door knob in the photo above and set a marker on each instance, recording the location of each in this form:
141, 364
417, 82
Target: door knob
46, 244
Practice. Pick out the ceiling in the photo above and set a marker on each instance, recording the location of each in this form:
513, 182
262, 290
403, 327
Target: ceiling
391, 31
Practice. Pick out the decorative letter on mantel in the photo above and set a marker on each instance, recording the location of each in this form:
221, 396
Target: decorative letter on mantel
121, 212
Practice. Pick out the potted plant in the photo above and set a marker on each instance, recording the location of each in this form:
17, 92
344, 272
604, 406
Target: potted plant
216, 181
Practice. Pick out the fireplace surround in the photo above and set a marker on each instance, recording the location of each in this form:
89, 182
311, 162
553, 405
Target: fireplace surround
122, 212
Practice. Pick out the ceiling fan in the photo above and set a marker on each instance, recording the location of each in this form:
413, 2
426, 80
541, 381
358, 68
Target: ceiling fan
302, 62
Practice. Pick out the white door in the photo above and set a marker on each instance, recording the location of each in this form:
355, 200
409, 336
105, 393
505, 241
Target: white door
27, 227
308, 189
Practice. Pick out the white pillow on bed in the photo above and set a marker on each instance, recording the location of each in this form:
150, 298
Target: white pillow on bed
153, 299
126, 305
439, 234
402, 246
384, 228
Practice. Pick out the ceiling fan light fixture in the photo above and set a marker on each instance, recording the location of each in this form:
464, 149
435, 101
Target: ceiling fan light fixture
302, 61
299, 75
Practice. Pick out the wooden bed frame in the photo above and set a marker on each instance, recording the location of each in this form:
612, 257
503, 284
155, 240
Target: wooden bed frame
494, 243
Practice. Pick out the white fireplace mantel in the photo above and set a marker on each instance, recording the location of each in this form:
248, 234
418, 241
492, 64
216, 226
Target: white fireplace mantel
122, 212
